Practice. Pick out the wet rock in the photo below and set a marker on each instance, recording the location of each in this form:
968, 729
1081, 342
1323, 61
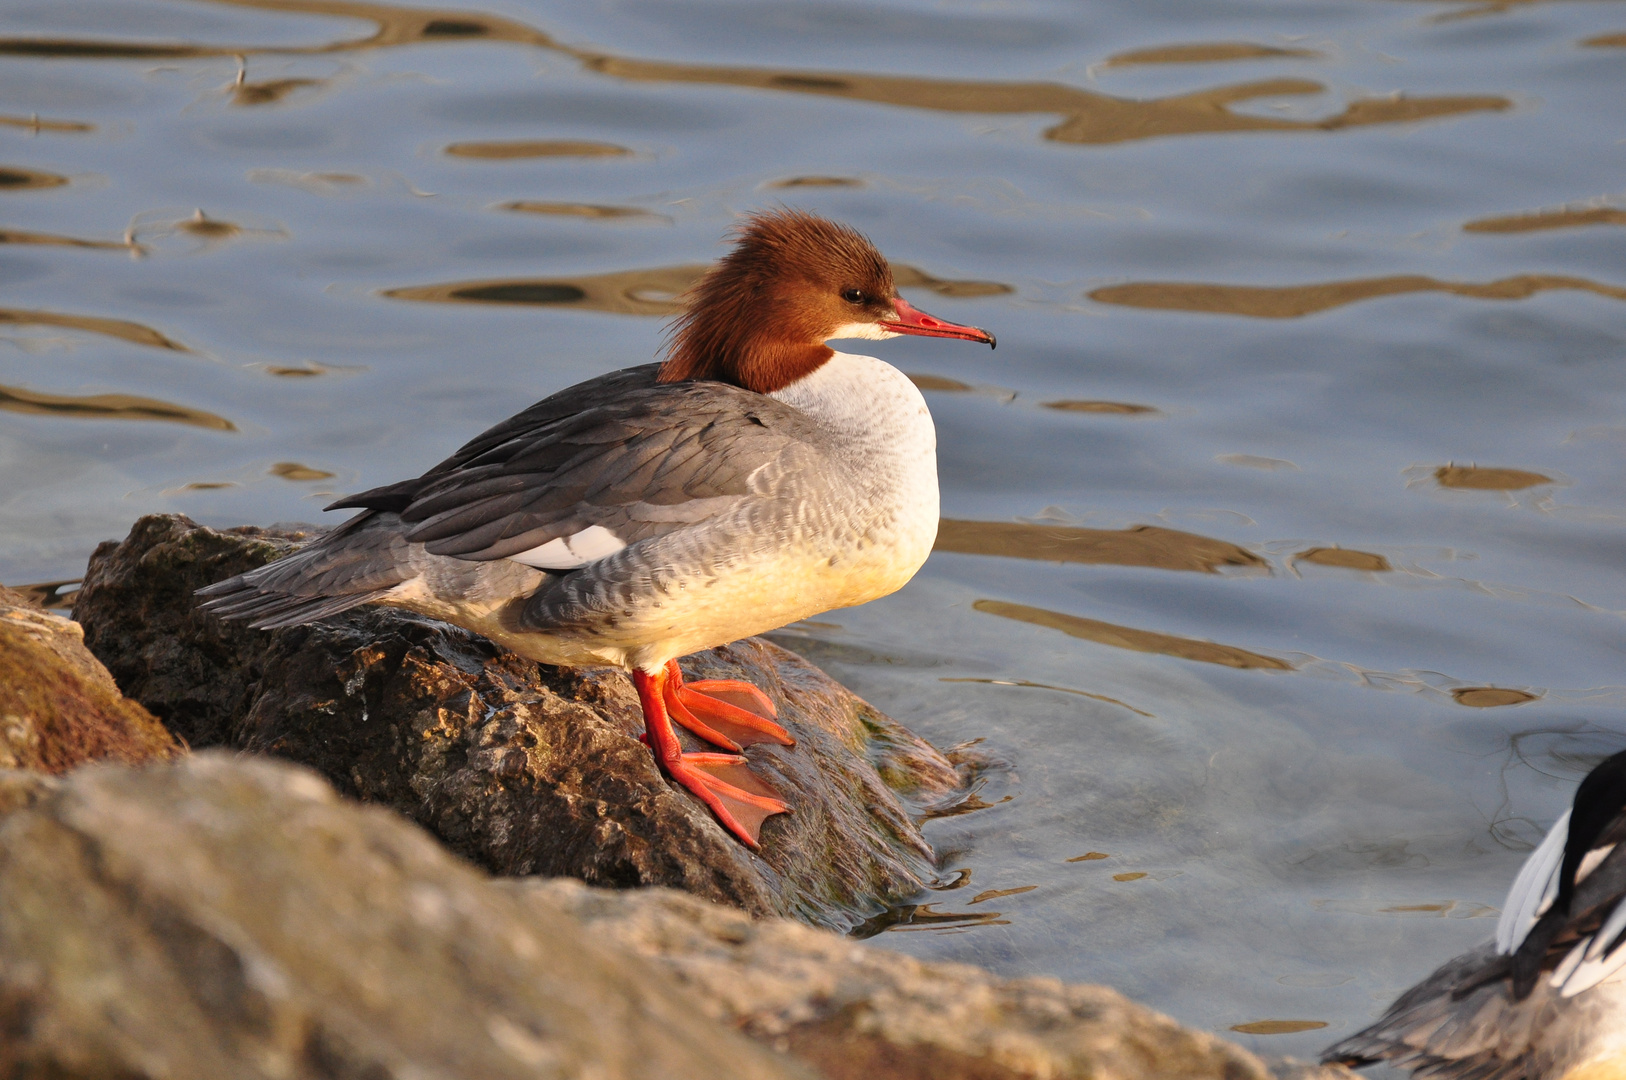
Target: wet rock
857, 1011
227, 917
59, 707
523, 768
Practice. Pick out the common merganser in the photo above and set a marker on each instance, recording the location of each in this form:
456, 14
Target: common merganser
1546, 998
753, 478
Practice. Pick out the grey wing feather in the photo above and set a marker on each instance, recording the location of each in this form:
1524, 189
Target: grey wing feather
653, 459
1483, 1035
355, 564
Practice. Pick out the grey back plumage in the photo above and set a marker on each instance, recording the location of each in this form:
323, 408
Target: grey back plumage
641, 459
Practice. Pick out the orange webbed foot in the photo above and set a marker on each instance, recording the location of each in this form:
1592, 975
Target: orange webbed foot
725, 712
739, 798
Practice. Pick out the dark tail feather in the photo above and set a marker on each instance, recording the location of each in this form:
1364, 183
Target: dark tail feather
357, 563
272, 611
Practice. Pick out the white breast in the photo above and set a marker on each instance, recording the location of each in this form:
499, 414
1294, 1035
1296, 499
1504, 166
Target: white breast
880, 433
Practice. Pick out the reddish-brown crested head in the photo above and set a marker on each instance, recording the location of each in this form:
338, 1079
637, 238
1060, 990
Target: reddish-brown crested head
760, 317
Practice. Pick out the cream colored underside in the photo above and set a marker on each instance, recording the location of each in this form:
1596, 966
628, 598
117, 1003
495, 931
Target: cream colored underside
881, 437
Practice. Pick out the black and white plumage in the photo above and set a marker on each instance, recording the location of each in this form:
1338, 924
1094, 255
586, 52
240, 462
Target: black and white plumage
1545, 998
755, 478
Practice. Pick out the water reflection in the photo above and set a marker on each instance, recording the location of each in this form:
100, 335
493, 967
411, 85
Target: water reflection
1549, 219
590, 211
1027, 684
925, 917
1088, 118
1293, 301
271, 91
107, 407
1115, 408
292, 470
35, 125
1348, 558
14, 178
637, 292
18, 236
1126, 637
817, 182
1476, 478
50, 594
1278, 1027
535, 148
1491, 697
1214, 52
996, 894
1142, 545
122, 329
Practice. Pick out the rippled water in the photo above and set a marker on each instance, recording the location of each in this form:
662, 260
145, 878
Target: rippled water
1283, 568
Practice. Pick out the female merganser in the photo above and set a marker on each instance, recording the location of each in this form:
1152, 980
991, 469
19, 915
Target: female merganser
1547, 997
754, 478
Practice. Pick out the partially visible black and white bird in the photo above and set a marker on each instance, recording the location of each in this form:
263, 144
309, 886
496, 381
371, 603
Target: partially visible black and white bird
754, 478
1545, 999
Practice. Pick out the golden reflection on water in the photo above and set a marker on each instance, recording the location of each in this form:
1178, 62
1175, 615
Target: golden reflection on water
1551, 219
1116, 408
107, 407
13, 178
1292, 301
36, 125
116, 328
535, 148
995, 894
1129, 875
938, 382
1205, 54
292, 470
585, 210
1278, 1027
1143, 545
1474, 478
1347, 558
1491, 697
1090, 856
656, 291
1088, 118
817, 181
18, 236
271, 91
1125, 637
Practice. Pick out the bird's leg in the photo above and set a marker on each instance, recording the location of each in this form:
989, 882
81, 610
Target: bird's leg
725, 712
741, 800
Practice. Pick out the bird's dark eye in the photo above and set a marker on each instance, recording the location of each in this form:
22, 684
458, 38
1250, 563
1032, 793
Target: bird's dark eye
854, 296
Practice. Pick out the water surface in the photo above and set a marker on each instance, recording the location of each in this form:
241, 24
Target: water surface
1282, 568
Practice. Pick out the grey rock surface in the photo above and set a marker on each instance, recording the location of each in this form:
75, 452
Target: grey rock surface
231, 917
853, 1010
522, 768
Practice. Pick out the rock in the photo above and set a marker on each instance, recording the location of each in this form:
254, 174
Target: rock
59, 707
522, 768
230, 917
227, 917
857, 1011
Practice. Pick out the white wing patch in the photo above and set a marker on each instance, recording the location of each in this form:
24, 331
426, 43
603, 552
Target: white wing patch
568, 552
1533, 890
